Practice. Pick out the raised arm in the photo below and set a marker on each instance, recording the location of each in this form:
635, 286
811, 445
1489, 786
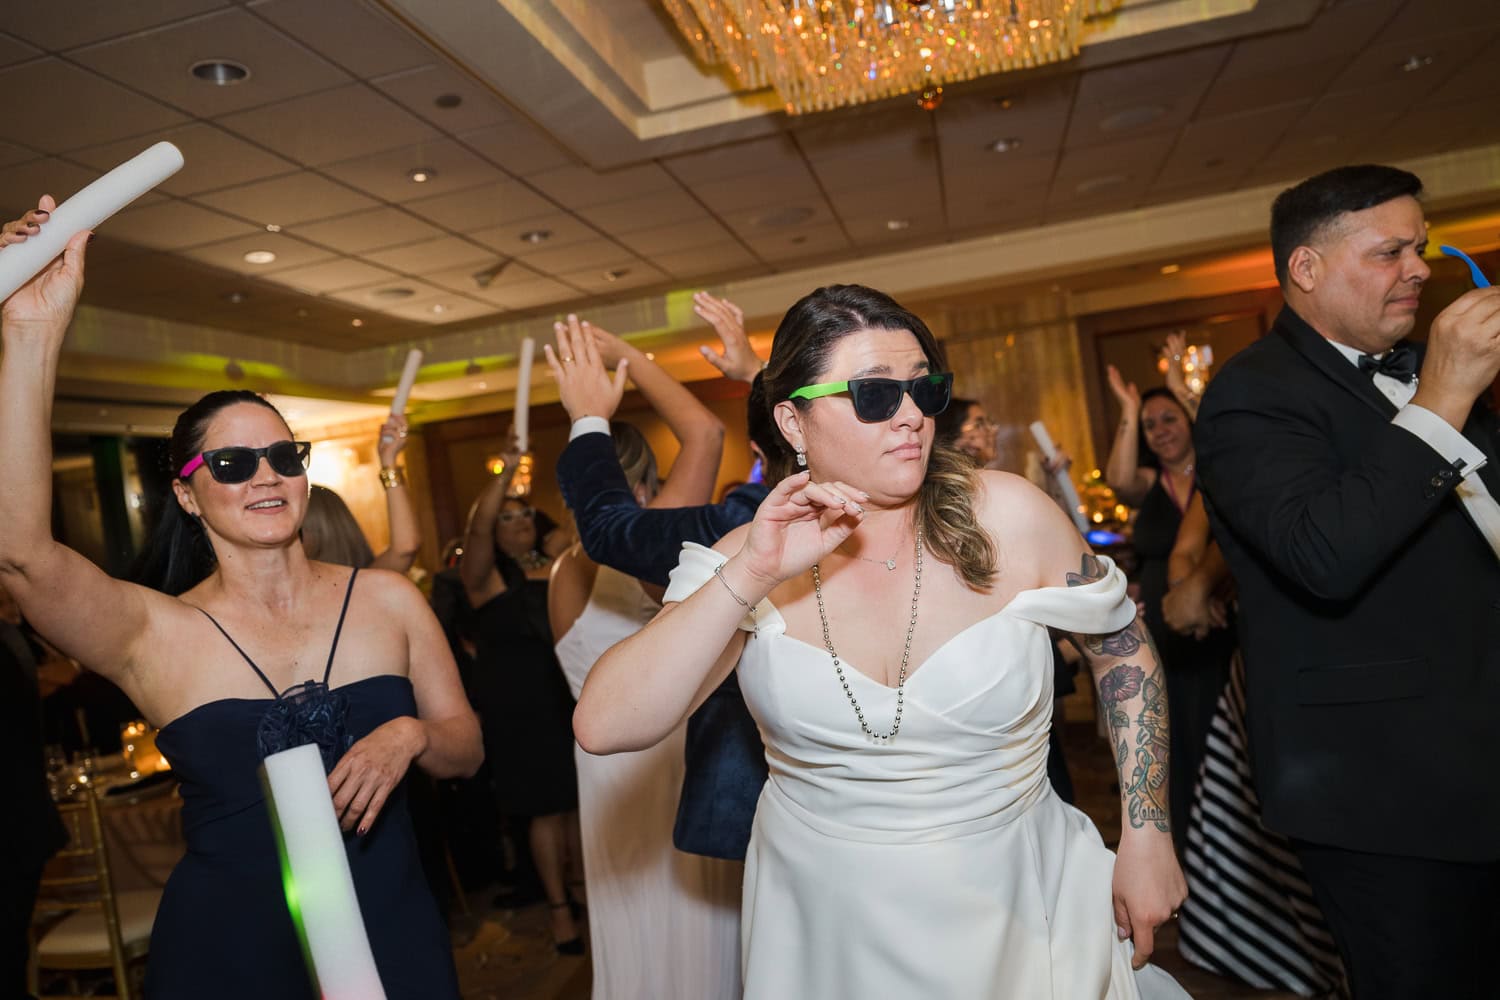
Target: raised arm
1123, 470
1173, 354
482, 580
406, 536
1195, 572
738, 359
645, 686
60, 592
697, 430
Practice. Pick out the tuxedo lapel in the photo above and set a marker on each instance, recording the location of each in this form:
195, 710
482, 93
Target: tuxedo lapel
1325, 357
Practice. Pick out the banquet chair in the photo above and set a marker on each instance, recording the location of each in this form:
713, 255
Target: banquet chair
80, 922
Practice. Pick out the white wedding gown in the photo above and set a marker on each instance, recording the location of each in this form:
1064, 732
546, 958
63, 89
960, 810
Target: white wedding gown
939, 865
663, 924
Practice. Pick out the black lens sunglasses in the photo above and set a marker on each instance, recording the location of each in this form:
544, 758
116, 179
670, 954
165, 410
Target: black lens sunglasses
877, 399
238, 463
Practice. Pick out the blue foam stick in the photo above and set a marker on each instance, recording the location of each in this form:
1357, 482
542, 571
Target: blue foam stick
1480, 281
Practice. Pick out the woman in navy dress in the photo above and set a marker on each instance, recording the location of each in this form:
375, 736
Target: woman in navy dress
246, 648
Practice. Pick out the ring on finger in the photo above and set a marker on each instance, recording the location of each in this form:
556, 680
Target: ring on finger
567, 359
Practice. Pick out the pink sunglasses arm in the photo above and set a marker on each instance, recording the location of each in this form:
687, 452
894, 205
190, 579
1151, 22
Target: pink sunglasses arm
191, 467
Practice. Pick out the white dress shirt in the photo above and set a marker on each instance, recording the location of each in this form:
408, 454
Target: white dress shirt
1442, 438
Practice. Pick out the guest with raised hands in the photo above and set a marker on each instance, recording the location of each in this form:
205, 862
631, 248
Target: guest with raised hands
725, 761
887, 612
331, 533
661, 923
240, 612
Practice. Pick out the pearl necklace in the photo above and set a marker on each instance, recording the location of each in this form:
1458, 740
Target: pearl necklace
838, 667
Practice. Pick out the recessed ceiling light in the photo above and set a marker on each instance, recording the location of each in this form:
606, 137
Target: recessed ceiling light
1130, 118
421, 175
220, 72
650, 356
235, 298
392, 294
1006, 101
448, 100
439, 308
356, 322
1009, 144
482, 384
896, 225
616, 274
1416, 62
534, 236
1170, 268
272, 227
259, 257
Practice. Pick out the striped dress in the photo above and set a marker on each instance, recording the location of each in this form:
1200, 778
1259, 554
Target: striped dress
1250, 914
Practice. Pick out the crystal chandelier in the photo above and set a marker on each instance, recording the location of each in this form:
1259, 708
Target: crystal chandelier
821, 54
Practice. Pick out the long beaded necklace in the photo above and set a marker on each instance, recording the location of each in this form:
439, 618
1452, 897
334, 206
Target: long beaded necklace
838, 667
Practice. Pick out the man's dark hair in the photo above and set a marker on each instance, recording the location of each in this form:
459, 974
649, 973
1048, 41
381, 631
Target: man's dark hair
1301, 213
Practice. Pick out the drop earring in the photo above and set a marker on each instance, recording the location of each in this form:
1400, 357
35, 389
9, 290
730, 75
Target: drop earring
801, 459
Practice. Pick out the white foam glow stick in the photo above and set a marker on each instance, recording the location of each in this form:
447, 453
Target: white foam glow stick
85, 210
315, 875
1069, 491
523, 393
408, 377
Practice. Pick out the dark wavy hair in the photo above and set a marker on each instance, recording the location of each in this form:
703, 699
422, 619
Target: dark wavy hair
807, 336
1302, 213
1144, 455
178, 555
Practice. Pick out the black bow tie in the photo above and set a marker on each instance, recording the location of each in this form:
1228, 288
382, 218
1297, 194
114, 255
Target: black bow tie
1400, 363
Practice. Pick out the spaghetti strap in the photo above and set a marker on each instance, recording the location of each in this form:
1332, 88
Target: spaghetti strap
263, 679
332, 650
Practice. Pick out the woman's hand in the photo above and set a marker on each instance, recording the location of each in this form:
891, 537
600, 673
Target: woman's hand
1058, 465
371, 769
613, 351
798, 524
738, 360
1190, 608
48, 299
392, 440
1148, 889
582, 381
1126, 392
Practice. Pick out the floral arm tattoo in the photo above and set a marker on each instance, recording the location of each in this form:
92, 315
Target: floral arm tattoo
1133, 696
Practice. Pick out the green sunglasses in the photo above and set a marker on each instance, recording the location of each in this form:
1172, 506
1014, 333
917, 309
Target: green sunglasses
877, 399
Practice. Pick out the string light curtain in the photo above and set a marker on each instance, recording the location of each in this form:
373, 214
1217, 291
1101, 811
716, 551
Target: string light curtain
822, 54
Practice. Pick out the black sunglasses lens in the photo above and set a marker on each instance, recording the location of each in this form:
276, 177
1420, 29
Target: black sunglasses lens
286, 458
875, 398
233, 465
932, 393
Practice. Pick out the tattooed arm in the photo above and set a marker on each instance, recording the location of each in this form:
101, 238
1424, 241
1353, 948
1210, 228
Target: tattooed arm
1132, 693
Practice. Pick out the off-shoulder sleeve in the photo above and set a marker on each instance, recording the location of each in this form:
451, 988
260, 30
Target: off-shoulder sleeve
695, 567
1090, 609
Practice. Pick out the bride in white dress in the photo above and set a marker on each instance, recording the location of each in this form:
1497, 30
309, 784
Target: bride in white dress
888, 613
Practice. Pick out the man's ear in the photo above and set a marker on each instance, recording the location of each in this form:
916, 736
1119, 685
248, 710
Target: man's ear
789, 422
1304, 268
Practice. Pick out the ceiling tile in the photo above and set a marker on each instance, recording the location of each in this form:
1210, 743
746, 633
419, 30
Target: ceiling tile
677, 237
331, 125
1148, 97
1420, 20
211, 158
519, 147
715, 258
873, 233
353, 34
440, 309
230, 254
792, 187
461, 279
13, 50
775, 221
432, 255
418, 90
171, 225
638, 274
288, 200
773, 154
1382, 65
1036, 113
385, 174
23, 183
1328, 131
483, 207
372, 230
580, 187
1480, 75
62, 25
68, 108
10, 155
998, 171
583, 255
157, 62
1136, 158
530, 294
333, 275
367, 296
621, 217
566, 230
1213, 149
800, 242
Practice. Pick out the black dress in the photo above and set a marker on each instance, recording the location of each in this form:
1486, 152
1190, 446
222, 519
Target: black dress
1196, 670
523, 699
223, 929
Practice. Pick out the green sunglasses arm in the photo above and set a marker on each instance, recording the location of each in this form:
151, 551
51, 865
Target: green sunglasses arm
821, 389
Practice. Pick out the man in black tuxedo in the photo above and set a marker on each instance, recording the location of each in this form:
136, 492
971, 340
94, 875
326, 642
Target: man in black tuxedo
1355, 504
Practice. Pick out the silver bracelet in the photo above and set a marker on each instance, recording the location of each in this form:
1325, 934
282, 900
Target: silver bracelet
719, 572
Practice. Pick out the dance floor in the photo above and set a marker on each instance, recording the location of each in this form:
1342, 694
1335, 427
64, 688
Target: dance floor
508, 955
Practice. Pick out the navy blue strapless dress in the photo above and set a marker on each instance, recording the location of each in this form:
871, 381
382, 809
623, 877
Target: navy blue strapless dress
223, 929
